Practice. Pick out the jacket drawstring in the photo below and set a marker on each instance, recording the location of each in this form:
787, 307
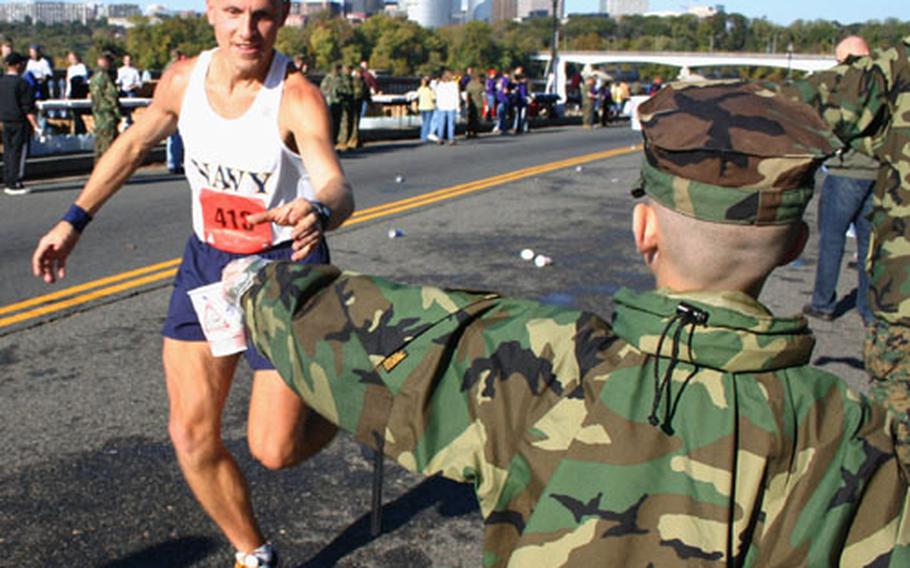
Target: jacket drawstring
686, 315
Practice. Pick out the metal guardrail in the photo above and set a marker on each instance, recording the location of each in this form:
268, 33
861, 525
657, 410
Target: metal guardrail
72, 104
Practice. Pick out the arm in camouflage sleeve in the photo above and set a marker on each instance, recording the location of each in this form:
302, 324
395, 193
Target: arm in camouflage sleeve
852, 98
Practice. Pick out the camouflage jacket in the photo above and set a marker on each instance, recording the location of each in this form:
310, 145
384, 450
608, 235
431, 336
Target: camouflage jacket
345, 87
329, 88
867, 104
749, 458
359, 90
476, 93
105, 100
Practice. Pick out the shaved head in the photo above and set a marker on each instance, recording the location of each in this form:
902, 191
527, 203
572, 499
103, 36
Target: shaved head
689, 254
851, 46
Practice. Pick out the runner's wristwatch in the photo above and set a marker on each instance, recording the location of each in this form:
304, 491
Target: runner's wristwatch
323, 212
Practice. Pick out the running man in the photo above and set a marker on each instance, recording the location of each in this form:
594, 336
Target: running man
264, 177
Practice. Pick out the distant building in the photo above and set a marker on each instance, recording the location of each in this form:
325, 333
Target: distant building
428, 13
538, 8
620, 8
504, 10
699, 12
153, 10
392, 8
705, 11
48, 12
479, 10
366, 7
118, 10
311, 8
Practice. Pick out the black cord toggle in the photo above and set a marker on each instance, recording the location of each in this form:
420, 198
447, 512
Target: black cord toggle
691, 314
686, 315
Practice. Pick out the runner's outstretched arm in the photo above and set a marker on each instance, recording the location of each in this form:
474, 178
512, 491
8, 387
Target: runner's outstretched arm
305, 128
113, 169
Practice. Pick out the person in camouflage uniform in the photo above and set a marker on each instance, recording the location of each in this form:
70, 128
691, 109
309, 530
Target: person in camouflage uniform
475, 91
345, 93
866, 104
360, 94
330, 92
105, 106
690, 431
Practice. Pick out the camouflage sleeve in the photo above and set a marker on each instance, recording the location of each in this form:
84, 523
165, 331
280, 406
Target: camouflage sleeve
348, 344
852, 98
468, 385
113, 98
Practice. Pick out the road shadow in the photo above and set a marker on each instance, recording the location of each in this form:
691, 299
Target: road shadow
175, 553
78, 184
451, 499
845, 304
849, 361
379, 148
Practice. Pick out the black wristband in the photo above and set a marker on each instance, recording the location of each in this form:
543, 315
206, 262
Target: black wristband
77, 217
323, 212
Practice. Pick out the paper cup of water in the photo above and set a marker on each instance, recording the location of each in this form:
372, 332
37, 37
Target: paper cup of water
222, 323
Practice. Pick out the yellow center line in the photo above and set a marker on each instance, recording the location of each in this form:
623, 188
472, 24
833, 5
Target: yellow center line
96, 289
37, 300
465, 188
123, 286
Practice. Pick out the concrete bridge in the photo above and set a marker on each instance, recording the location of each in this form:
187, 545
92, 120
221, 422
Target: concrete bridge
686, 61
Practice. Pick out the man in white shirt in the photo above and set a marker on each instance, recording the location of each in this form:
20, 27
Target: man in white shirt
129, 81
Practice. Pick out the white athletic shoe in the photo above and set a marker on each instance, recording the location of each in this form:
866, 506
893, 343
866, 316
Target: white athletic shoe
17, 189
263, 557
432, 137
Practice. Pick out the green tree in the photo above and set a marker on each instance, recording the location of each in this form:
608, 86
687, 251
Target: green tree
470, 45
326, 36
402, 47
150, 43
292, 41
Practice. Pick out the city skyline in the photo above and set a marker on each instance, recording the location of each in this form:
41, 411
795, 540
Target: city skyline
778, 11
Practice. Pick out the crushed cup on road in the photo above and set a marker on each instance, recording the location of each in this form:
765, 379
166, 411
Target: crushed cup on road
395, 233
579, 168
222, 322
399, 178
527, 254
541, 261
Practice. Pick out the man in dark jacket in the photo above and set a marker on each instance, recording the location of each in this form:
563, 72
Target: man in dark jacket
17, 111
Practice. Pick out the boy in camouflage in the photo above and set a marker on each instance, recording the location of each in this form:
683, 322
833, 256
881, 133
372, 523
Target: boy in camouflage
690, 430
866, 103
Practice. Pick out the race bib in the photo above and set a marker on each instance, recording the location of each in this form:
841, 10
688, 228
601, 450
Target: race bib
224, 221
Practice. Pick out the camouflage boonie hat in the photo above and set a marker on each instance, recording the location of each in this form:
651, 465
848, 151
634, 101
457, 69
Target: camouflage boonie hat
731, 152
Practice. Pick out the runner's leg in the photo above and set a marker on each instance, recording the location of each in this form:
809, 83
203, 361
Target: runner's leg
282, 430
198, 385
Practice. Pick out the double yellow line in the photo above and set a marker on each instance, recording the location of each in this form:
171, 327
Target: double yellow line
73, 296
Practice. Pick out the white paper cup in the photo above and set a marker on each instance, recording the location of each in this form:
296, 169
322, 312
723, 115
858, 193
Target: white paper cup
222, 323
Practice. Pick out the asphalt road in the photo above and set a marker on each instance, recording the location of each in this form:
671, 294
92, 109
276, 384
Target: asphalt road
148, 221
88, 477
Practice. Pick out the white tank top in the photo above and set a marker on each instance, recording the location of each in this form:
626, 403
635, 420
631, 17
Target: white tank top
240, 165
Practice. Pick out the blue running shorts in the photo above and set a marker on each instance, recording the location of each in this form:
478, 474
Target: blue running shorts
202, 264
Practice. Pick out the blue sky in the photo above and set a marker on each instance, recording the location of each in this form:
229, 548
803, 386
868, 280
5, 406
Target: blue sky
784, 11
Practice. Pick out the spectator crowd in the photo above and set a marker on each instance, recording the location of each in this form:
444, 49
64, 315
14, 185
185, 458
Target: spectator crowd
30, 79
